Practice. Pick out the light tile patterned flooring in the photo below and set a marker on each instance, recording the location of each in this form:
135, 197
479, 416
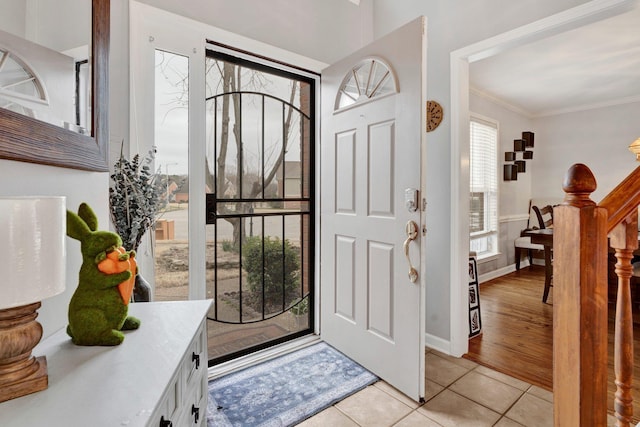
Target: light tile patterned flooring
459, 393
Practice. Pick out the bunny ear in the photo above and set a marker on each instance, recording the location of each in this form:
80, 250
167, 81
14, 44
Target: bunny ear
89, 217
76, 227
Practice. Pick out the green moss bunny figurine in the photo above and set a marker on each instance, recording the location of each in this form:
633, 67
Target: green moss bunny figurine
97, 312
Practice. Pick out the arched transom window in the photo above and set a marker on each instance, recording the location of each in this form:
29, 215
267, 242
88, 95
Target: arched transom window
20, 87
370, 78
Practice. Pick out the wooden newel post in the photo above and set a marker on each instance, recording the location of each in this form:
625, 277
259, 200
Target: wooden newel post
580, 304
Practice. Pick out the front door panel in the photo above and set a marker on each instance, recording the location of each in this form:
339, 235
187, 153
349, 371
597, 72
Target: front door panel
373, 105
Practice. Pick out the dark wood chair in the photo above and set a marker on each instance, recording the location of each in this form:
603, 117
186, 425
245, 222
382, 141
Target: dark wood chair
545, 220
544, 215
523, 243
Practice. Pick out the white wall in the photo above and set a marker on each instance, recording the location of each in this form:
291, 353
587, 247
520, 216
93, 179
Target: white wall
12, 16
599, 138
59, 25
324, 30
26, 179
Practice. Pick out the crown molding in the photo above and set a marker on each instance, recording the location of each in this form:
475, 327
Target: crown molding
586, 107
499, 101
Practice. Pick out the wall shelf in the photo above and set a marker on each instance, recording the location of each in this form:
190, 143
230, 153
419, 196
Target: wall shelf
513, 166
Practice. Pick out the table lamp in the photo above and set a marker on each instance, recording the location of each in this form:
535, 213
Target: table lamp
32, 251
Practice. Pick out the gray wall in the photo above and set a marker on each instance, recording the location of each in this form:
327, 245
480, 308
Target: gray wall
598, 138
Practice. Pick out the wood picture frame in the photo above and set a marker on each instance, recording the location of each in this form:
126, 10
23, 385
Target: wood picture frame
30, 140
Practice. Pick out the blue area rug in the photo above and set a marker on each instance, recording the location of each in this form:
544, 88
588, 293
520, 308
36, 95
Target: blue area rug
286, 390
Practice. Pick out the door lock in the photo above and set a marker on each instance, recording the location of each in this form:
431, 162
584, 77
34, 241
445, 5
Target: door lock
411, 199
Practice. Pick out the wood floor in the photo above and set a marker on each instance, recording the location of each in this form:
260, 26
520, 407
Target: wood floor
517, 337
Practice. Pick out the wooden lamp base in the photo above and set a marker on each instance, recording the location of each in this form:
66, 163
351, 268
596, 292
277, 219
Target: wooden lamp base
20, 372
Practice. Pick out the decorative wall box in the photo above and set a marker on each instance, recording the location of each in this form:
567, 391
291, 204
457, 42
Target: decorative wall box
510, 172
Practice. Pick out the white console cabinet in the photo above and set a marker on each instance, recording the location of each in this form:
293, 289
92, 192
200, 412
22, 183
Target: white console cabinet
156, 377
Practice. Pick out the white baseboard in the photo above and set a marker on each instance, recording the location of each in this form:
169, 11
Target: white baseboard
437, 343
500, 272
537, 261
506, 270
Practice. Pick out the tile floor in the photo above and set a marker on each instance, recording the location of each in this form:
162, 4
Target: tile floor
459, 393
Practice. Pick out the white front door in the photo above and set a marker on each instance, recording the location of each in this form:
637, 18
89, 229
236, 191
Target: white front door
372, 151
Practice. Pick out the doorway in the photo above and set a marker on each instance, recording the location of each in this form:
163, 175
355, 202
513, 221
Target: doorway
460, 60
169, 47
259, 204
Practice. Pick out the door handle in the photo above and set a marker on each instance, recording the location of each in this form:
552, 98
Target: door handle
412, 234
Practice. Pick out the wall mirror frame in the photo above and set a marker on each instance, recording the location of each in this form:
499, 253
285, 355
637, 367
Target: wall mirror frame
30, 140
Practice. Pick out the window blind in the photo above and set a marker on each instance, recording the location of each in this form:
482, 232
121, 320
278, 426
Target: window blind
483, 179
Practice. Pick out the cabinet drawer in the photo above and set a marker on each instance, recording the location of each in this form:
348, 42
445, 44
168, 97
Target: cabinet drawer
168, 407
195, 361
194, 412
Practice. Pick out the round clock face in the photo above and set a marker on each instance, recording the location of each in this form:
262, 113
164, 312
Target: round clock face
434, 115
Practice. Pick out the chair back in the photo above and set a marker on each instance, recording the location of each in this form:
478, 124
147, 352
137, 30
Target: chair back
544, 215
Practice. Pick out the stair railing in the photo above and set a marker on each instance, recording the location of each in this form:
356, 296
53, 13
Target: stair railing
581, 231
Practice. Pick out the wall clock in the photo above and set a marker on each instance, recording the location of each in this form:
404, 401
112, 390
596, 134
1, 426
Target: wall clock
434, 115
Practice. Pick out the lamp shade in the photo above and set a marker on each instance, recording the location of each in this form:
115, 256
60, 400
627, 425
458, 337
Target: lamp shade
33, 251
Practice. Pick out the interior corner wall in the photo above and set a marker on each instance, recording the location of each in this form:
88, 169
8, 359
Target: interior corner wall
514, 196
598, 138
451, 25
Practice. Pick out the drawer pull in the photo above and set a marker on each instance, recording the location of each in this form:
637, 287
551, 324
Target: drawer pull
195, 358
195, 411
165, 423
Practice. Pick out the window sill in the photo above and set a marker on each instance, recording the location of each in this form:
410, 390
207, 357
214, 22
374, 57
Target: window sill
487, 257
